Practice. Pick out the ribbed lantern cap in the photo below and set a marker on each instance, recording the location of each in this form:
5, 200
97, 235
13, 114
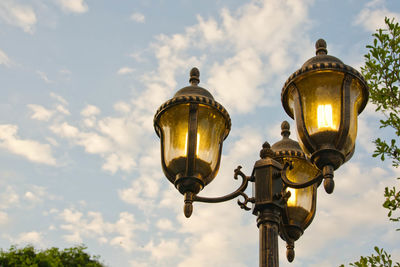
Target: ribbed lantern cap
287, 146
322, 62
193, 94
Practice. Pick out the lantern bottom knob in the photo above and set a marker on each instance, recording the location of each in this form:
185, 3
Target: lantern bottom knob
329, 184
188, 206
290, 251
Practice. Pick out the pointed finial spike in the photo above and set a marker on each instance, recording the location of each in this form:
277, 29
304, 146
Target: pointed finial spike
320, 47
194, 76
285, 127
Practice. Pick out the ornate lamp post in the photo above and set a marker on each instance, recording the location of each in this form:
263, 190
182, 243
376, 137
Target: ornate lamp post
324, 97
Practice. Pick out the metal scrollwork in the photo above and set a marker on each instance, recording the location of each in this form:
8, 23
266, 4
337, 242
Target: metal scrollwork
243, 205
236, 193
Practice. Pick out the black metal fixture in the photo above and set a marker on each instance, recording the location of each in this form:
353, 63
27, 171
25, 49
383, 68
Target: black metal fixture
324, 97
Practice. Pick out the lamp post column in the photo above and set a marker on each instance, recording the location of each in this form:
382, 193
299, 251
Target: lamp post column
268, 224
268, 205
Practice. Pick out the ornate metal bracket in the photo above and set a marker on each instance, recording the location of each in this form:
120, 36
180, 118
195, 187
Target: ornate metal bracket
288, 183
190, 197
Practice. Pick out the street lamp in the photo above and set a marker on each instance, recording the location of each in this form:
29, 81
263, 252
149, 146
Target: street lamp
324, 97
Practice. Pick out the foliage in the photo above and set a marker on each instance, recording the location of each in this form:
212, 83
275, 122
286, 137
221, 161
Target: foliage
52, 257
382, 259
392, 203
382, 72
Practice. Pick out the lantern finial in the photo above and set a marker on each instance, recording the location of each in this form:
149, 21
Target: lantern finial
285, 127
320, 47
194, 76
266, 151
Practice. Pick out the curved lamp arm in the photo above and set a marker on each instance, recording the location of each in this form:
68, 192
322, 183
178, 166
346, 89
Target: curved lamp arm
190, 197
288, 183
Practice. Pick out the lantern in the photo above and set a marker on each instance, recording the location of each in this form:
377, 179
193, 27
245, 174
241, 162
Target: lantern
301, 204
325, 97
192, 127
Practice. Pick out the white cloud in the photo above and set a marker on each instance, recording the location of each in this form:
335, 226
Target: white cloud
30, 149
125, 70
253, 54
36, 194
73, 6
138, 17
3, 218
62, 109
115, 161
65, 130
122, 107
145, 188
164, 250
232, 77
357, 199
113, 140
9, 198
33, 237
40, 112
80, 227
165, 224
4, 60
371, 17
125, 228
22, 16
90, 110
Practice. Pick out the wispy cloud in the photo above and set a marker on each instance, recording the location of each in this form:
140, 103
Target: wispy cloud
4, 59
73, 6
40, 113
15, 14
125, 70
59, 98
138, 17
371, 17
43, 76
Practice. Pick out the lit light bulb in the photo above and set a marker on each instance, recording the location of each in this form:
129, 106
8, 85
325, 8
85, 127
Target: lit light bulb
293, 197
324, 116
197, 144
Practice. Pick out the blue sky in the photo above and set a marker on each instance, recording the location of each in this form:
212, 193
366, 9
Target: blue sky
79, 159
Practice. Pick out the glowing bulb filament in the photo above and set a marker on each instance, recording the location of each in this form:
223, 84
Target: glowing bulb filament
324, 114
197, 144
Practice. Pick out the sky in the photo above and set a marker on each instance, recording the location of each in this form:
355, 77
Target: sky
79, 158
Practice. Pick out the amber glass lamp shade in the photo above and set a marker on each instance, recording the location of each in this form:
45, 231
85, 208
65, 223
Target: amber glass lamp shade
301, 204
192, 127
325, 97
